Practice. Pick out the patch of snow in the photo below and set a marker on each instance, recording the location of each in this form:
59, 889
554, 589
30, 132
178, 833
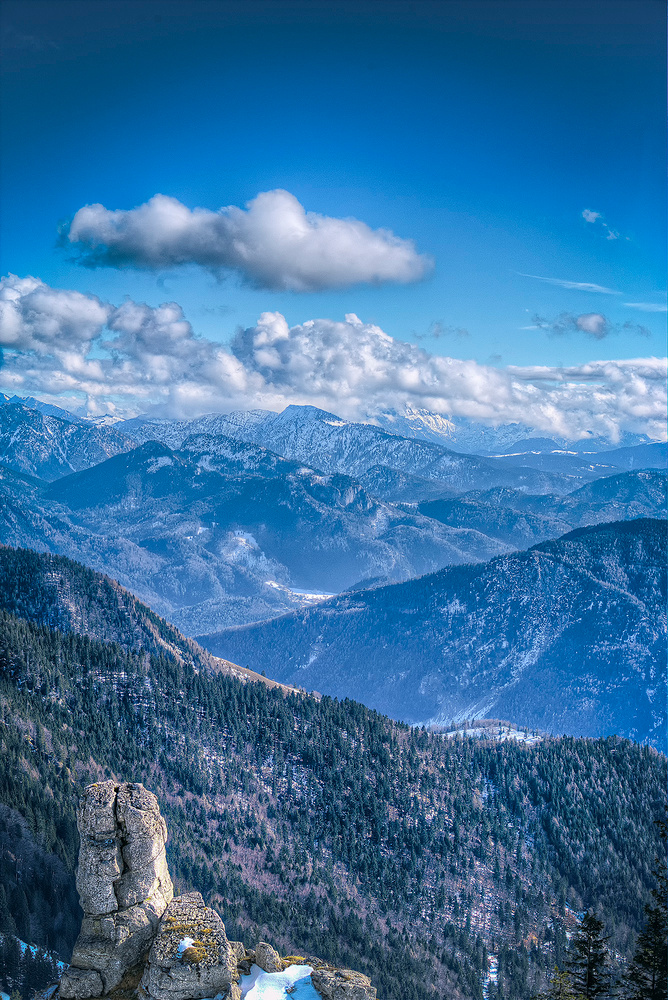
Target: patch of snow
245, 538
260, 985
34, 949
498, 734
185, 943
492, 974
316, 595
159, 463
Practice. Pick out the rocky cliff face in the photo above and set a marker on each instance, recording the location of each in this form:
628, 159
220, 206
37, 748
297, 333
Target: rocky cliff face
137, 939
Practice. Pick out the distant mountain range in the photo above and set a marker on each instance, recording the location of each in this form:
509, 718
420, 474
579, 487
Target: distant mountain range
463, 434
569, 636
47, 446
224, 531
323, 441
418, 447
521, 520
228, 534
46, 408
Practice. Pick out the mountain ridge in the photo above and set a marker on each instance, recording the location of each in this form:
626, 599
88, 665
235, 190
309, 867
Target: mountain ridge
504, 638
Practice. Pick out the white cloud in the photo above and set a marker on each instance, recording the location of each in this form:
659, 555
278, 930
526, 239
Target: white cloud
33, 315
590, 216
135, 357
126, 358
593, 323
648, 307
578, 286
274, 243
597, 219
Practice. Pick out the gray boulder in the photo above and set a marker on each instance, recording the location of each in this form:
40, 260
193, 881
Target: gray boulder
190, 957
342, 984
239, 950
123, 885
267, 958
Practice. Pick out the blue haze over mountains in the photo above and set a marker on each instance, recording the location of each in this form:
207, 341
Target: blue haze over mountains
224, 522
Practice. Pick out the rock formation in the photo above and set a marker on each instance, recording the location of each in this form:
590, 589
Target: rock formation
342, 984
267, 957
138, 939
123, 885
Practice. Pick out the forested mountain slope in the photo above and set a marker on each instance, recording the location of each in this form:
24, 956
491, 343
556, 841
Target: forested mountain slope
522, 519
404, 852
71, 598
569, 636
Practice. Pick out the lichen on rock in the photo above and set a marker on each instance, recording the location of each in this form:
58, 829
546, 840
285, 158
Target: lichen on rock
207, 964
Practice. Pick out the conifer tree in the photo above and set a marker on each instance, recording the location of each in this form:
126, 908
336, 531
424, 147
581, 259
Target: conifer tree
589, 958
647, 975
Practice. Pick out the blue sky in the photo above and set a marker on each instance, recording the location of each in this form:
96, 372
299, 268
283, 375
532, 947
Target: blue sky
479, 130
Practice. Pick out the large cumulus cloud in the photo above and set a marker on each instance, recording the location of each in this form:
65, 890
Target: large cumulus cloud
273, 243
356, 369
68, 345
135, 357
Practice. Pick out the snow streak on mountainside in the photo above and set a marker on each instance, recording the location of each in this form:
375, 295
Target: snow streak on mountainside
567, 637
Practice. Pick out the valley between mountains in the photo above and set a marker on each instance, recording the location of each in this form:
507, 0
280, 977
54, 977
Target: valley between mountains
569, 637
286, 626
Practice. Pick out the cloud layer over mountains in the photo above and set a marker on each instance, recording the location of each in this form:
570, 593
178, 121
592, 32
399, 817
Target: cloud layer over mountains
135, 357
274, 243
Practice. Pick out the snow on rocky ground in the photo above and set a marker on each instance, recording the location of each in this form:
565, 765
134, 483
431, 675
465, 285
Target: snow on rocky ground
499, 734
294, 983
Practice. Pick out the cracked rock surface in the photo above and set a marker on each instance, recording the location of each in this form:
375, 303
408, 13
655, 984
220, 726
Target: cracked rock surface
191, 957
123, 885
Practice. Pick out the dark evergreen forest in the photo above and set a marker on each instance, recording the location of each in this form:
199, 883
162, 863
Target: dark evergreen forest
318, 825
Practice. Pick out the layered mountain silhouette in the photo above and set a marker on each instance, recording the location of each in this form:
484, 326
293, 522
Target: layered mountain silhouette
569, 636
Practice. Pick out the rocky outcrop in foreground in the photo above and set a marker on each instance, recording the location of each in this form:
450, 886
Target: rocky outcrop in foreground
123, 885
137, 939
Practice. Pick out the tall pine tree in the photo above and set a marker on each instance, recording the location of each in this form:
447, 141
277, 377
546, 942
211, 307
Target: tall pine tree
588, 958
